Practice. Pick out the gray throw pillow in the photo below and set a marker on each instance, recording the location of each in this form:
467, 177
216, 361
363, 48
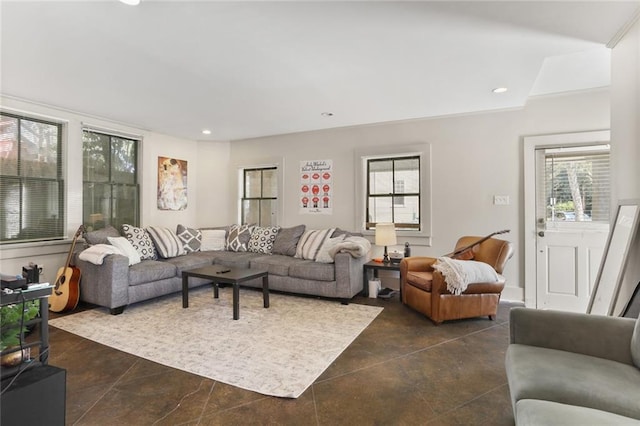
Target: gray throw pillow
101, 236
287, 240
238, 237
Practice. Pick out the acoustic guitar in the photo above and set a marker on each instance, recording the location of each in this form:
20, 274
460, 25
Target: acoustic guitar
466, 253
66, 291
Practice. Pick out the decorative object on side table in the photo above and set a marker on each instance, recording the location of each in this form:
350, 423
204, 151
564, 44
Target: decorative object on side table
386, 236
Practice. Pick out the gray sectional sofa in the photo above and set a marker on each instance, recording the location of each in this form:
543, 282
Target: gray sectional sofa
573, 369
114, 284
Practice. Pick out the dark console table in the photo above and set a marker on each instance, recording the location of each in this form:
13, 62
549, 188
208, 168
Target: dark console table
33, 393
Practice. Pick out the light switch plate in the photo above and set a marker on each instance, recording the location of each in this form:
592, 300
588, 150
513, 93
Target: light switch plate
501, 200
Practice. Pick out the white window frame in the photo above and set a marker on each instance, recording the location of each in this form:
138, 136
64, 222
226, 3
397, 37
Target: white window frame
421, 236
279, 165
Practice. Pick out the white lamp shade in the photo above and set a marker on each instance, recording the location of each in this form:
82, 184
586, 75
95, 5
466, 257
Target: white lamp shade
386, 234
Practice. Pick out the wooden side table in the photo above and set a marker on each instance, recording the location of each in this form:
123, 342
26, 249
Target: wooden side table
372, 268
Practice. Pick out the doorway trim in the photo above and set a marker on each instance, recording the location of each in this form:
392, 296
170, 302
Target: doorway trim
531, 143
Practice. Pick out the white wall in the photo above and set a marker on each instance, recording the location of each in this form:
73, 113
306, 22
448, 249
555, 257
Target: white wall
625, 138
211, 157
474, 157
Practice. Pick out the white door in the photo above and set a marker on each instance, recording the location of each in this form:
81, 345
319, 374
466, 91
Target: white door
572, 202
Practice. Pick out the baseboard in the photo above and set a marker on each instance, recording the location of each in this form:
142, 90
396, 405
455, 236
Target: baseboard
513, 294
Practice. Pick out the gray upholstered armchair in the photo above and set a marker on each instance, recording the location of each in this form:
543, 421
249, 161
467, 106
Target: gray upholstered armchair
570, 368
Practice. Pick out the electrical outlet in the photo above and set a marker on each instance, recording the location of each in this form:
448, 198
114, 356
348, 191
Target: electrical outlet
501, 200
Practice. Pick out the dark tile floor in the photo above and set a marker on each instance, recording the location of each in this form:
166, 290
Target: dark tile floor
402, 370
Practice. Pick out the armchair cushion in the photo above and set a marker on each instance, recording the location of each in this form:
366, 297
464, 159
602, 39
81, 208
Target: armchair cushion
422, 280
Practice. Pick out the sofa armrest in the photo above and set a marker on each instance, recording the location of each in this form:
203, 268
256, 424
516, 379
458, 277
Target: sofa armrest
594, 335
349, 274
107, 284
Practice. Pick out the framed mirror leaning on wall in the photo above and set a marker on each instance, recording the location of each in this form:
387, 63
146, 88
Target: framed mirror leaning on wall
615, 258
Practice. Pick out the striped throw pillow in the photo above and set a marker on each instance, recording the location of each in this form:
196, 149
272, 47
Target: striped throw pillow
311, 241
166, 241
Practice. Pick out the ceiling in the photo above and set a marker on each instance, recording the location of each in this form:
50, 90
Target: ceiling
250, 69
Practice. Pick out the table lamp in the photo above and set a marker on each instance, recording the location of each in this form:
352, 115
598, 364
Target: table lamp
386, 236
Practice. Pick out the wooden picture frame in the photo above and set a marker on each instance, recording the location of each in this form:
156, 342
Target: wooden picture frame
615, 258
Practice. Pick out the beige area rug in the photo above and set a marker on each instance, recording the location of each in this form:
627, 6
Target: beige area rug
279, 351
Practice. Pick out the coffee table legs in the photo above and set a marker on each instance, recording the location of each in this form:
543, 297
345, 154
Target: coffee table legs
185, 291
236, 301
265, 291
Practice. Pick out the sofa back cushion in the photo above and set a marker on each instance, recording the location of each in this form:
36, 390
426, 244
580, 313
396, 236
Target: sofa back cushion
311, 242
100, 236
287, 240
166, 242
635, 344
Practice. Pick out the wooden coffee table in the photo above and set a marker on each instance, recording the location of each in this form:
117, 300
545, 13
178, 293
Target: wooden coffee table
224, 275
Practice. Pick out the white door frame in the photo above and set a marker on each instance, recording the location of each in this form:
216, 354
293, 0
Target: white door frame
530, 229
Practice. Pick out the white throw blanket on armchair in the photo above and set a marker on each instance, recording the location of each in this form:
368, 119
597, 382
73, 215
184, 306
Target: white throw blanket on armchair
458, 274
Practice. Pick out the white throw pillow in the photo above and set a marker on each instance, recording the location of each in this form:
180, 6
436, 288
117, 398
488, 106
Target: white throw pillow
126, 248
324, 255
213, 239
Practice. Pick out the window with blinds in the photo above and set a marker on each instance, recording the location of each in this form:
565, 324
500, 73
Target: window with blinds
577, 184
110, 192
31, 179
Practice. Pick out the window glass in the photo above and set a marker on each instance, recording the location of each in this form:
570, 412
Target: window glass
260, 196
393, 192
110, 174
31, 184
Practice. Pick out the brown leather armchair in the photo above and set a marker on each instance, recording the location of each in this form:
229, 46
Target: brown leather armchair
425, 289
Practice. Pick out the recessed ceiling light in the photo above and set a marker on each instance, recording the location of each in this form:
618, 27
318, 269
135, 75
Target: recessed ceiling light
499, 90
206, 132
327, 114
131, 2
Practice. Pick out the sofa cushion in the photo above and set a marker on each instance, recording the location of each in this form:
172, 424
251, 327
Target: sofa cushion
238, 237
311, 241
234, 259
573, 379
287, 240
150, 270
275, 264
190, 237
166, 242
312, 270
140, 240
190, 261
100, 236
538, 412
262, 239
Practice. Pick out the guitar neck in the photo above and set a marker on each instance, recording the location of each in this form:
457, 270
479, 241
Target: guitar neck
480, 241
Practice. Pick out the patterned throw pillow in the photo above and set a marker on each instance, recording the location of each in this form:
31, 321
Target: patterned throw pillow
239, 236
140, 240
166, 242
262, 239
310, 243
190, 237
